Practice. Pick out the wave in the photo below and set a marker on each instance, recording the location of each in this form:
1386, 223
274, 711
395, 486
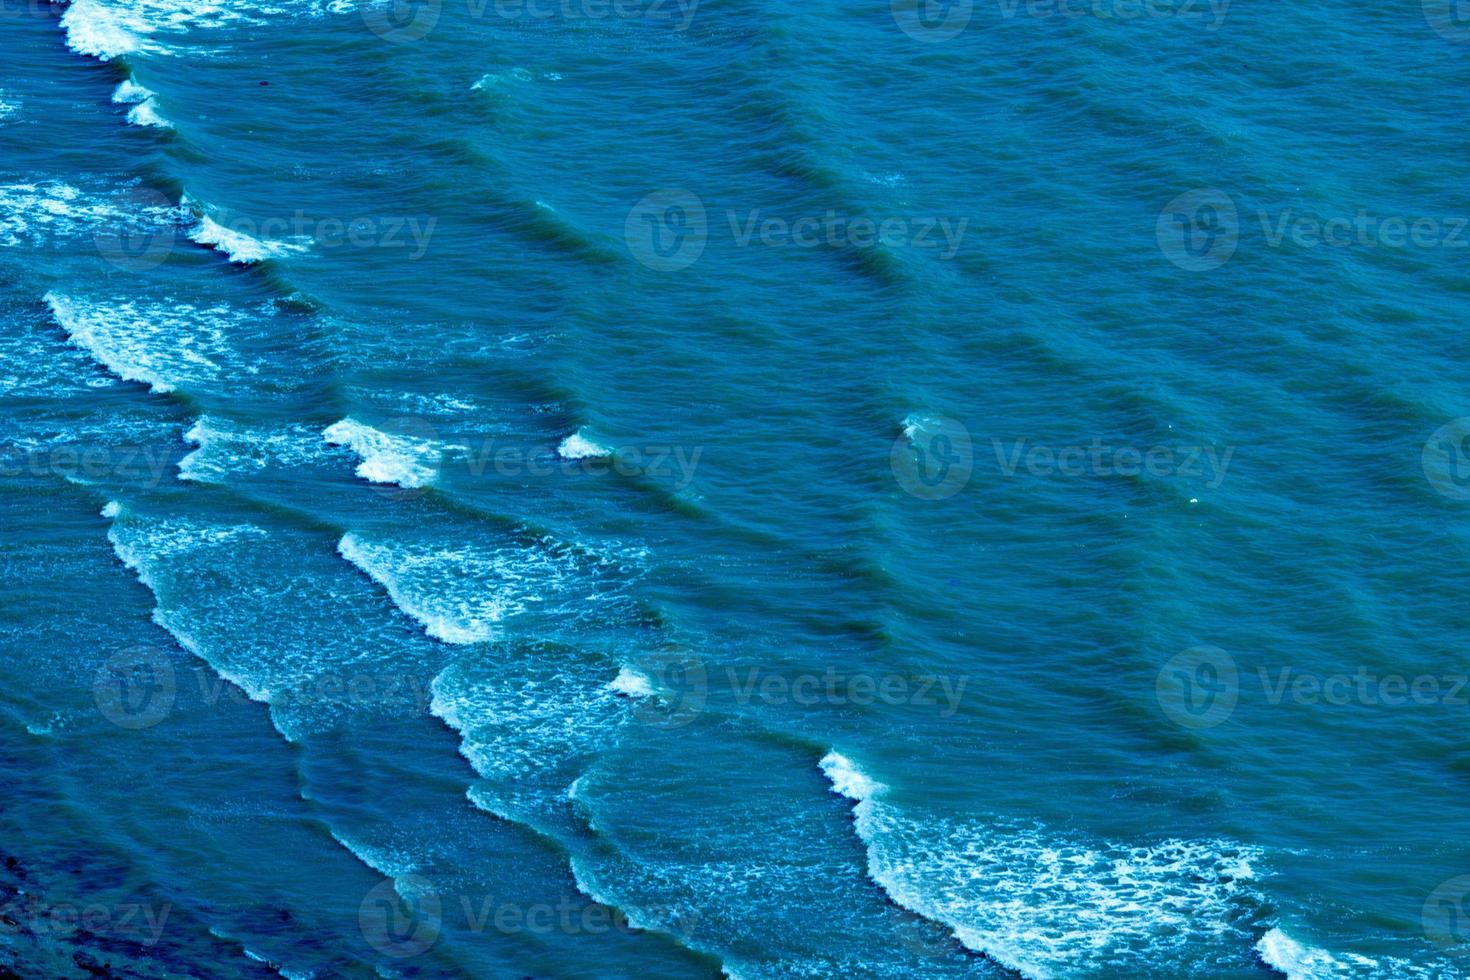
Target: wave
111, 29
146, 114
9, 105
461, 594
579, 445
1298, 961
38, 213
237, 246
223, 448
528, 731
408, 461
633, 684
160, 346
105, 31
456, 621
1044, 905
847, 779
144, 548
144, 102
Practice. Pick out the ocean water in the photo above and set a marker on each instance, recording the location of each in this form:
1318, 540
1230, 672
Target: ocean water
672, 489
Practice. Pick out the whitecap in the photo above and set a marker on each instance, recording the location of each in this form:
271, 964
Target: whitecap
579, 445
147, 114
237, 246
456, 619
847, 779
630, 683
388, 458
1046, 904
160, 346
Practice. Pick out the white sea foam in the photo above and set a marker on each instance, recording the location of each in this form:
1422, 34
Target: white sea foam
847, 779
112, 509
223, 448
631, 683
388, 458
147, 114
108, 29
130, 92
105, 30
9, 105
237, 246
457, 619
459, 594
579, 445
1044, 904
160, 346
42, 212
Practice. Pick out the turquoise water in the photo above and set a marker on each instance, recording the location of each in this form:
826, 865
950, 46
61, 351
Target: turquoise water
669, 490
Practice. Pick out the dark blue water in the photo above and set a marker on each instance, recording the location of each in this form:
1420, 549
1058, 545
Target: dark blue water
661, 489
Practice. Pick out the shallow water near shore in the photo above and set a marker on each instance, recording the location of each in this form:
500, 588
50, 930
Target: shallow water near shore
673, 490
